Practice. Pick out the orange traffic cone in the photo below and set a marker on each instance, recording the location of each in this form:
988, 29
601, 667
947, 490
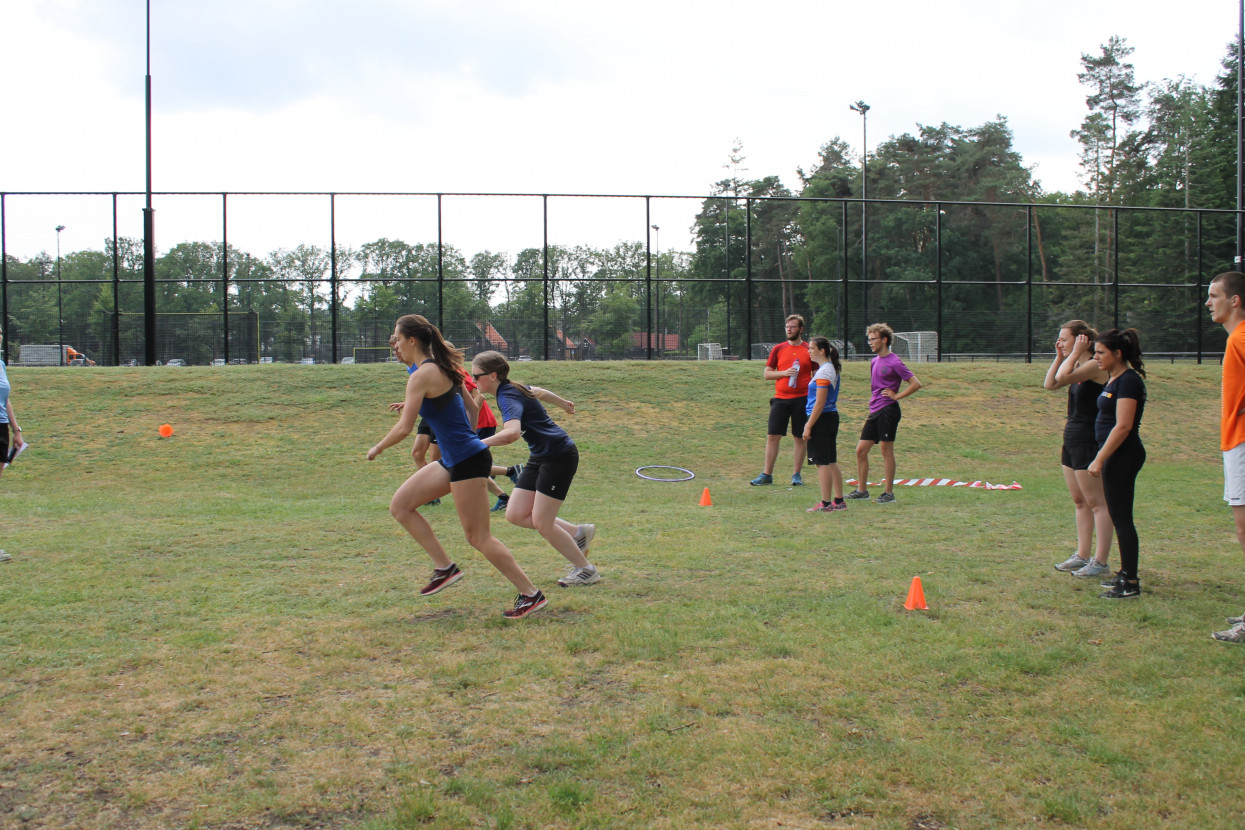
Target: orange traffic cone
916, 596
705, 501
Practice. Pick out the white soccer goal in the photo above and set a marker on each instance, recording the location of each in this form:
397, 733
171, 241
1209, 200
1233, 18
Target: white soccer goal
916, 346
709, 351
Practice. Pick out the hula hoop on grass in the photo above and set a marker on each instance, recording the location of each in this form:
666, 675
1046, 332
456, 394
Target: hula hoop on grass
640, 472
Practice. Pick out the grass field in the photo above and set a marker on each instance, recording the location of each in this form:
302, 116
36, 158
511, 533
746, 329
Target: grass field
222, 629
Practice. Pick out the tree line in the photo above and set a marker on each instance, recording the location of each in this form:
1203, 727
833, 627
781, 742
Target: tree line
956, 203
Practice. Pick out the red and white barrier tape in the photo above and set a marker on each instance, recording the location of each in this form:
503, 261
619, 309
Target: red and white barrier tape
944, 482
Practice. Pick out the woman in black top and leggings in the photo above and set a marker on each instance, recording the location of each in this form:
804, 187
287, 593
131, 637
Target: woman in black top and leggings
1120, 451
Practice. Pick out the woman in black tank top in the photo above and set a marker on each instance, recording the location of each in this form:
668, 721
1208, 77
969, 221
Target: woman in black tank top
437, 380
1074, 368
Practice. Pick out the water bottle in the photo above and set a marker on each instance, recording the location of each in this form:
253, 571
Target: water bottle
791, 380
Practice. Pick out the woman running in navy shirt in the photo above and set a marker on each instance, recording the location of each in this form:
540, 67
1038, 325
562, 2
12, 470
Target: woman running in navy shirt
546, 477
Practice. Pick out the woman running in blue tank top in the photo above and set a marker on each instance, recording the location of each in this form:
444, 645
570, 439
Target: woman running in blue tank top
435, 391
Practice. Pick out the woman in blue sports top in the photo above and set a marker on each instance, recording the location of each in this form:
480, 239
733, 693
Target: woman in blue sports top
435, 391
546, 477
821, 430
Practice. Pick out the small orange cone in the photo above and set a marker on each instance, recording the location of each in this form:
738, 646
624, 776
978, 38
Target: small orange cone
916, 596
705, 501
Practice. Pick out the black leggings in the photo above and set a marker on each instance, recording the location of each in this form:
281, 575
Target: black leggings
1119, 482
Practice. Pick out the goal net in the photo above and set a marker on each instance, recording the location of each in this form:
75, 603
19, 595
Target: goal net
709, 351
916, 346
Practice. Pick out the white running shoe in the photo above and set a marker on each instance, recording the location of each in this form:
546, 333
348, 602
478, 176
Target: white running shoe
583, 536
580, 576
4, 557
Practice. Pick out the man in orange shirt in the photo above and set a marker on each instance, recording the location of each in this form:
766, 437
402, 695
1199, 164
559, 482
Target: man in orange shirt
1226, 301
790, 367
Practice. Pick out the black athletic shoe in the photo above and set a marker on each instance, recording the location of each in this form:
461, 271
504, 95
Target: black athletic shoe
1112, 581
1124, 589
441, 579
524, 605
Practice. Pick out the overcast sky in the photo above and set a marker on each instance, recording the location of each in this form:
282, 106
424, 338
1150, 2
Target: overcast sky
541, 96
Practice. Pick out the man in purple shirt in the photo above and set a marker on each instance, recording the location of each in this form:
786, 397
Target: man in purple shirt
887, 373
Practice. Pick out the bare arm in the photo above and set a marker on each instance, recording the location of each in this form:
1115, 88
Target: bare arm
1125, 415
549, 397
406, 421
912, 386
510, 432
818, 405
1069, 372
1048, 382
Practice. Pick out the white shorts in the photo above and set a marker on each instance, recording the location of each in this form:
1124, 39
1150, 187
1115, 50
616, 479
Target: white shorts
1234, 476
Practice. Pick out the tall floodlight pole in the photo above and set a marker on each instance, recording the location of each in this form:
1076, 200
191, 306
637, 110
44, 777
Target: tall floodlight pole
60, 313
1240, 133
863, 108
657, 293
149, 231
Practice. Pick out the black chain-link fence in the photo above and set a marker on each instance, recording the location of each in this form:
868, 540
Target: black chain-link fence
959, 281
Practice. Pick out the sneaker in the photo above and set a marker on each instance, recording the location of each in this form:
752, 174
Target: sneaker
580, 576
858, 494
1072, 563
885, 498
525, 605
797, 480
1235, 634
763, 478
1123, 589
512, 473
1231, 620
1091, 570
1112, 581
822, 507
502, 501
4, 557
441, 579
432, 503
583, 536
839, 505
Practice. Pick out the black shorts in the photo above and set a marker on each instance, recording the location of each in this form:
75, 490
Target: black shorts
782, 410
425, 428
4, 441
1079, 454
551, 475
822, 446
479, 465
882, 425
486, 432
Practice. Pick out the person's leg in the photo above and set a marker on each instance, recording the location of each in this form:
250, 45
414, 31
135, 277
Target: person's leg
493, 488
799, 418
1096, 501
862, 465
544, 518
836, 480
471, 503
825, 482
771, 452
428, 483
888, 463
419, 451
1084, 516
1119, 480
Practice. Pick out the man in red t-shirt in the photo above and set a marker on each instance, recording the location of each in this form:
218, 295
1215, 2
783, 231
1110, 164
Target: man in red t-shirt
790, 367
